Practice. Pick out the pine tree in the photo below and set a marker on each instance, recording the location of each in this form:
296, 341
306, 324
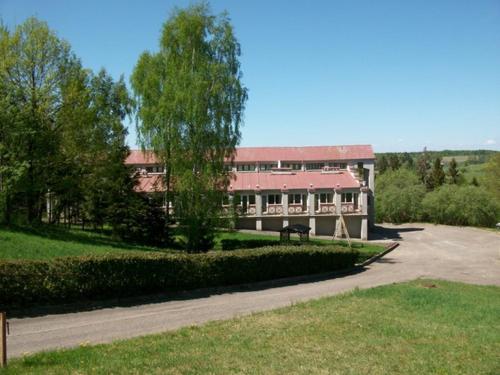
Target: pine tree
437, 176
453, 172
423, 166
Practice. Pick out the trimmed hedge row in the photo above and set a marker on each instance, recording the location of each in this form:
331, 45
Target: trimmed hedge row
24, 283
234, 244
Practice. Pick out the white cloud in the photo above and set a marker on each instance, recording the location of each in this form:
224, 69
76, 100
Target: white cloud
490, 142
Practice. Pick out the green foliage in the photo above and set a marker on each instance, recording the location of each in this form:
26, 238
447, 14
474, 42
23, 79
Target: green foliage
394, 162
76, 278
399, 196
453, 172
437, 175
407, 161
460, 205
382, 164
190, 103
423, 167
62, 138
234, 244
140, 219
492, 176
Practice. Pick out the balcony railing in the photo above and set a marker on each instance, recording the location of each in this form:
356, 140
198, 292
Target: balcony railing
273, 209
297, 209
350, 208
326, 209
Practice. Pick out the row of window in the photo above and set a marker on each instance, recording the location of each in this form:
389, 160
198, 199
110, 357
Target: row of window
152, 169
268, 167
323, 198
292, 166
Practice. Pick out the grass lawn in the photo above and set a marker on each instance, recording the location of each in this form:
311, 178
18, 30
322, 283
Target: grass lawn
47, 242
420, 327
366, 249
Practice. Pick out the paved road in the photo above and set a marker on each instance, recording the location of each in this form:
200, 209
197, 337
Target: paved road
459, 254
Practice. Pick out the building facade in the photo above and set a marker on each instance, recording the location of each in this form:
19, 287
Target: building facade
273, 187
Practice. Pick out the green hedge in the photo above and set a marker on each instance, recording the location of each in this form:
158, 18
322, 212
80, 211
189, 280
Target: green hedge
24, 283
235, 244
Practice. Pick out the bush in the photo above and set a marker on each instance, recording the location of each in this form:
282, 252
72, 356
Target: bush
399, 197
460, 205
69, 279
234, 244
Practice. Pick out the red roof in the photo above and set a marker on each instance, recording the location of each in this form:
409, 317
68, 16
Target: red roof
149, 184
254, 154
141, 157
297, 180
307, 153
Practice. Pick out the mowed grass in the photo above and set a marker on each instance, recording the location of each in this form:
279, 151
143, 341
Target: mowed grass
46, 242
365, 249
420, 327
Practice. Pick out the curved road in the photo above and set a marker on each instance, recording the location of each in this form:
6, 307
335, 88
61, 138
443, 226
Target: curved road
429, 251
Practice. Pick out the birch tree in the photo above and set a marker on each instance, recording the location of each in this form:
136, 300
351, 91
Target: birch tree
190, 109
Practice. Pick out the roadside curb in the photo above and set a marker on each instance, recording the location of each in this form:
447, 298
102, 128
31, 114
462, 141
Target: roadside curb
387, 250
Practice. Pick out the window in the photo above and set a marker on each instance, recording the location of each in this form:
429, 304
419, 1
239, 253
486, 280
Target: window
326, 198
338, 165
268, 167
245, 167
295, 199
360, 165
292, 166
314, 166
149, 169
274, 199
349, 197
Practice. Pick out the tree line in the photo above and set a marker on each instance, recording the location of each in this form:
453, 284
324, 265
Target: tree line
62, 137
423, 190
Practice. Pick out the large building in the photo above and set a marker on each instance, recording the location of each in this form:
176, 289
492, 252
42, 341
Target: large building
278, 186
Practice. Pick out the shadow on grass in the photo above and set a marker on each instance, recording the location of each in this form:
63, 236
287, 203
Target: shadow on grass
178, 295
382, 233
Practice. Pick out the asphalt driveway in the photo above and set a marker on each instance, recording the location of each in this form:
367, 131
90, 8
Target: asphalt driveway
428, 251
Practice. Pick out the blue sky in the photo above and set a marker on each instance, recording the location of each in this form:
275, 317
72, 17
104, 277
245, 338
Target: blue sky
400, 75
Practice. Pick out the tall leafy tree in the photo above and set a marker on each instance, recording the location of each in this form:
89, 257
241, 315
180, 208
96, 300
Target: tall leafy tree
190, 106
35, 66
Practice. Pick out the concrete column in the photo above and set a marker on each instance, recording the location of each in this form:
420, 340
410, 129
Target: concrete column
338, 201
310, 207
284, 204
364, 228
364, 200
312, 224
310, 202
258, 210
